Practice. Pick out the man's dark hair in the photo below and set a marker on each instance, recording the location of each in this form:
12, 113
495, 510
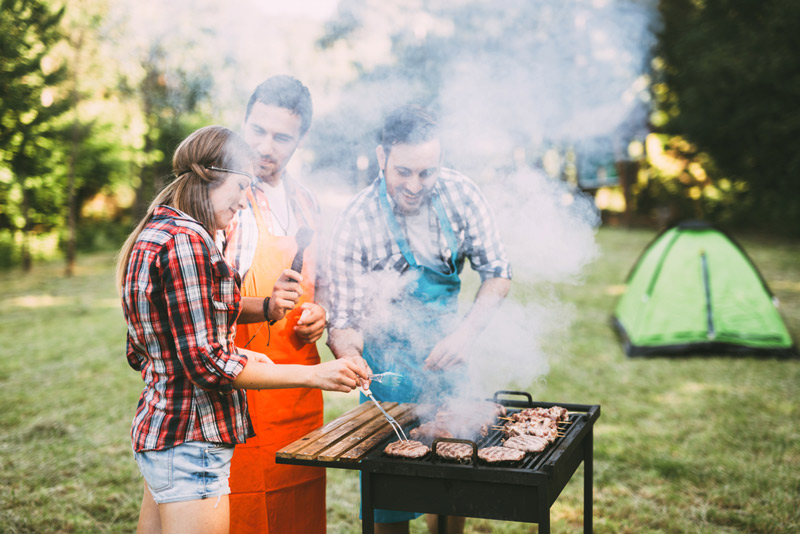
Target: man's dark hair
284, 92
410, 124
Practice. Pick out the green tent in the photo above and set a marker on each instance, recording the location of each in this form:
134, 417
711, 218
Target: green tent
694, 289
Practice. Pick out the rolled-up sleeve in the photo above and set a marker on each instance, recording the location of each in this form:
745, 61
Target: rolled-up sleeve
345, 271
483, 244
197, 316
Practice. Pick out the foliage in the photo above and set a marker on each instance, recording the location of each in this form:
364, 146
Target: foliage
729, 84
29, 30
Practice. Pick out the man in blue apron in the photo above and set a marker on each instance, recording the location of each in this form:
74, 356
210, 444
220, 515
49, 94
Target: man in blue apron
394, 264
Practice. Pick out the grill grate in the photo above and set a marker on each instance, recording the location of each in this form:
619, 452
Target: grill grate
531, 461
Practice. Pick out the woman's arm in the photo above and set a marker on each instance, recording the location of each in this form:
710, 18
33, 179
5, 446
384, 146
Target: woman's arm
188, 278
337, 375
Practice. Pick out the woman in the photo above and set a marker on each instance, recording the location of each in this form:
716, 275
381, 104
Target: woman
181, 301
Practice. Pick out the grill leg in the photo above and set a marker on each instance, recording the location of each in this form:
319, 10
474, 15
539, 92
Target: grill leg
367, 513
442, 524
588, 485
544, 510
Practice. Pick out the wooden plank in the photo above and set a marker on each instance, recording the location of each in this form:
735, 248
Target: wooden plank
367, 445
293, 448
312, 450
378, 426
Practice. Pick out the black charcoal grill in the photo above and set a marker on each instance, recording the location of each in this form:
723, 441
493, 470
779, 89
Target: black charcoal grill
521, 492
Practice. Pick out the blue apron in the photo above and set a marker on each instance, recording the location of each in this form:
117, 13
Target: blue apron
426, 313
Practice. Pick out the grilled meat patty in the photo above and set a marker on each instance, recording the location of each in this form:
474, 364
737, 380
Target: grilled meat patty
494, 455
407, 449
454, 451
526, 443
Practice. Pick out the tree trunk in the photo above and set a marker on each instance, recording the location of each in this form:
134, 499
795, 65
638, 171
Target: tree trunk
72, 216
627, 171
25, 253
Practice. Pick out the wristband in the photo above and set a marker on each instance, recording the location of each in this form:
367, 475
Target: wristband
265, 310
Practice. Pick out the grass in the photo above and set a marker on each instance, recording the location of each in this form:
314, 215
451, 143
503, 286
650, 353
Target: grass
683, 445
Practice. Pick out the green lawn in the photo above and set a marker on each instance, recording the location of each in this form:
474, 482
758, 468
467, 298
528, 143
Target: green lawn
696, 445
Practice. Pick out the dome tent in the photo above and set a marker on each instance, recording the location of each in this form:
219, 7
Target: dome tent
694, 289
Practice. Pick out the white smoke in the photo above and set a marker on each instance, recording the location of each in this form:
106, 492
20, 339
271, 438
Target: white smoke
572, 74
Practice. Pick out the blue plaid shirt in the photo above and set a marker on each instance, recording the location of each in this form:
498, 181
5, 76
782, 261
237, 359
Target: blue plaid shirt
362, 243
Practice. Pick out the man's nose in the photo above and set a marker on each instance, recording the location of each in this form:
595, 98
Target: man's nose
265, 145
414, 184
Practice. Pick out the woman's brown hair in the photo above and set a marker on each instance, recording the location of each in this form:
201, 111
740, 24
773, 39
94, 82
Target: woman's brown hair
212, 146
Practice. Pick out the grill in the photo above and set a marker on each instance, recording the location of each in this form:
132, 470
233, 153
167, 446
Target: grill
521, 492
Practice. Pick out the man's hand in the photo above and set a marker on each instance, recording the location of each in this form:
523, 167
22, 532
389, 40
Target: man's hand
285, 294
311, 324
448, 352
452, 350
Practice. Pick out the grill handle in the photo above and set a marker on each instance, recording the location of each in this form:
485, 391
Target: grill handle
509, 392
455, 440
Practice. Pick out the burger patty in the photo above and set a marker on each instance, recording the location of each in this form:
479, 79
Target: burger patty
406, 449
454, 451
496, 454
526, 443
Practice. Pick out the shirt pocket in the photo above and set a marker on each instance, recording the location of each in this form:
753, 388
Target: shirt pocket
225, 298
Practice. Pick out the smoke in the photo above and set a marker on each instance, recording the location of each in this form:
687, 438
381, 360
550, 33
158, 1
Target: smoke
526, 90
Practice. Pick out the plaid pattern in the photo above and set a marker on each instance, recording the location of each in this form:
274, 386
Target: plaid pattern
240, 238
181, 301
362, 243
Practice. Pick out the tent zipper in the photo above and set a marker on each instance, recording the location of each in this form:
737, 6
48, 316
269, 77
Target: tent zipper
711, 334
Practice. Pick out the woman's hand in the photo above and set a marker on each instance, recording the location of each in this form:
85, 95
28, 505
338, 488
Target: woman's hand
343, 375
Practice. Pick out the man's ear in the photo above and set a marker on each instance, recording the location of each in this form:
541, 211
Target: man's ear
381, 156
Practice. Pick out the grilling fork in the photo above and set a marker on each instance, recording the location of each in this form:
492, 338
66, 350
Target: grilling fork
391, 379
394, 424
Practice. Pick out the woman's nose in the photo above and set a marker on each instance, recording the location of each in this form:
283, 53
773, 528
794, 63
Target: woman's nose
242, 203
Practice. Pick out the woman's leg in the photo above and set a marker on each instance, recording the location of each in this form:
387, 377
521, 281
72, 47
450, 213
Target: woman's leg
149, 519
201, 516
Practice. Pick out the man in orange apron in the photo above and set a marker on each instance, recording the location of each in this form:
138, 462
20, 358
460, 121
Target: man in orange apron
261, 243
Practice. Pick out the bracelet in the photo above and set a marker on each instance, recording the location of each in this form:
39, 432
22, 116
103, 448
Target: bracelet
265, 311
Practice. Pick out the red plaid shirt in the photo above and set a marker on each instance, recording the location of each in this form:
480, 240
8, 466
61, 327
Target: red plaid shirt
181, 301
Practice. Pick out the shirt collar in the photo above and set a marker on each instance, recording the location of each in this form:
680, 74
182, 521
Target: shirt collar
163, 211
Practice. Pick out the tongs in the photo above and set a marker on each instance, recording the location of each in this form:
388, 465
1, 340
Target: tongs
394, 424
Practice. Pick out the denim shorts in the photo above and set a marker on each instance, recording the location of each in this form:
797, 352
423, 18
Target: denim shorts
186, 472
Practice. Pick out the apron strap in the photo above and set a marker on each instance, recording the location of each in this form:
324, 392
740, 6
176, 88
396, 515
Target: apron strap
400, 238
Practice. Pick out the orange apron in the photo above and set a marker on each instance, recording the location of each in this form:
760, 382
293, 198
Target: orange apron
267, 497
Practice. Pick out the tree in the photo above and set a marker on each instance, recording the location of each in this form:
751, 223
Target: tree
29, 105
730, 86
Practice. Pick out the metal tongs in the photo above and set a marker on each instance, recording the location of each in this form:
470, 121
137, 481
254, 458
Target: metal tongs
395, 425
